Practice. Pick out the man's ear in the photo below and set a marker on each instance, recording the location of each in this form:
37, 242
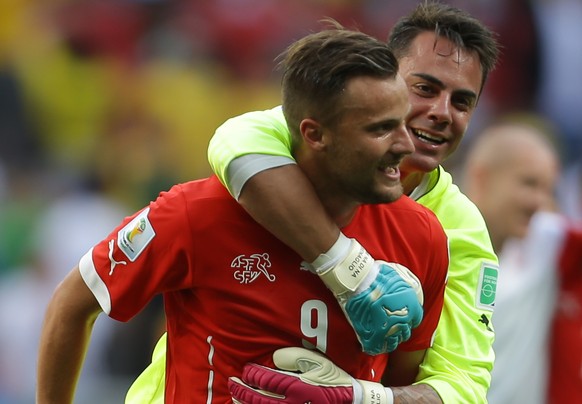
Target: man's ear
312, 133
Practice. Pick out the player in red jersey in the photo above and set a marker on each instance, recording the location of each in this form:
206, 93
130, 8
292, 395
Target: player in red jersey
233, 293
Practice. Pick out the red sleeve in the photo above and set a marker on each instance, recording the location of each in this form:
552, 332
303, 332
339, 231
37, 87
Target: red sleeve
144, 256
570, 258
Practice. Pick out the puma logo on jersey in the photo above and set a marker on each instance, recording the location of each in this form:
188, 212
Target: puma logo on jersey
112, 260
485, 321
251, 267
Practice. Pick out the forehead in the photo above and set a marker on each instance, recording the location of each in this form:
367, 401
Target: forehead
438, 57
379, 97
519, 150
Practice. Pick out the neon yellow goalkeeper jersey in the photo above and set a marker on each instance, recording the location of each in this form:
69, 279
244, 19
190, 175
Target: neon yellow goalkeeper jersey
459, 363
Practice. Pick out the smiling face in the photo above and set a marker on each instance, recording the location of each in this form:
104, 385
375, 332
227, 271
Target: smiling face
444, 82
358, 153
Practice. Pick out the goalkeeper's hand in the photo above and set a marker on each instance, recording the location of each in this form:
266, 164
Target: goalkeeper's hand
383, 301
305, 377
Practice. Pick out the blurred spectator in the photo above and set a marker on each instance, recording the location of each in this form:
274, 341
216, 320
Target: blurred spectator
62, 232
511, 173
20, 148
566, 340
20, 206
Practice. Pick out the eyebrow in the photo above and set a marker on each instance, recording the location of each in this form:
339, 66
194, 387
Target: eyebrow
439, 83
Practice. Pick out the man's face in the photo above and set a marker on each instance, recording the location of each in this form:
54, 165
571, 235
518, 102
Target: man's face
443, 84
519, 186
369, 140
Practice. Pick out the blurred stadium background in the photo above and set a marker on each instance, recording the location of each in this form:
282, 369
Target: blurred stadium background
105, 103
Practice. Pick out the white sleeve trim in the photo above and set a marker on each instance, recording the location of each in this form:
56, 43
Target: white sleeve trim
94, 282
244, 167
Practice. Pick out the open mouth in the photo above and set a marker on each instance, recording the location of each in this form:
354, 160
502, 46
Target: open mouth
390, 170
427, 137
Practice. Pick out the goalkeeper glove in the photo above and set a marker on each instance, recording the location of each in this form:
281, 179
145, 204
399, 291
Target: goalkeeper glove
305, 377
382, 301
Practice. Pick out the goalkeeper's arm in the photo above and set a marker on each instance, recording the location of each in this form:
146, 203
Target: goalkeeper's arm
271, 198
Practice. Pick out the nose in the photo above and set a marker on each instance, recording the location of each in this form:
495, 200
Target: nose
545, 200
403, 140
440, 112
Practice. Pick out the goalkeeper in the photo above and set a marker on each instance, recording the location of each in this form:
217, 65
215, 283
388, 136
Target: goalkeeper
445, 57
233, 293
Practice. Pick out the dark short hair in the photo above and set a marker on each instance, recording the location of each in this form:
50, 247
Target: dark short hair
456, 25
317, 67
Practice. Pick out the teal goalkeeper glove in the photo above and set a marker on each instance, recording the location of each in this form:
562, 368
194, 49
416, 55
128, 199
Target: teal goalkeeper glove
305, 377
381, 300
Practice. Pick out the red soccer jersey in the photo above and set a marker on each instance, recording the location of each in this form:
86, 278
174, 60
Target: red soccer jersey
234, 294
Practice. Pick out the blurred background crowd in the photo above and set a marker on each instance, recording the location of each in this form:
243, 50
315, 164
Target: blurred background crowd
105, 103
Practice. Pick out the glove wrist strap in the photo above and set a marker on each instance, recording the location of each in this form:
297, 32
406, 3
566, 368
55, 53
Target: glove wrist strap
349, 274
366, 392
329, 259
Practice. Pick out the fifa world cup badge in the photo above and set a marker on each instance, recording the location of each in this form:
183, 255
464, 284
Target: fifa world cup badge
136, 235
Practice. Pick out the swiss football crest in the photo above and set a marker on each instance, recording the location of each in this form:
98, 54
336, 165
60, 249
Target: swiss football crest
249, 268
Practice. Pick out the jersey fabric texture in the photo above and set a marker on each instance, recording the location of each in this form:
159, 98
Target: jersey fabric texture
233, 293
459, 364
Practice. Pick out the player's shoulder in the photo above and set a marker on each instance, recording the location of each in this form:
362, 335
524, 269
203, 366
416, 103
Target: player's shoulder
452, 207
269, 119
201, 191
408, 207
405, 213
203, 203
463, 222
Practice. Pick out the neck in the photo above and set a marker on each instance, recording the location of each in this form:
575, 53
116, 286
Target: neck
341, 210
411, 181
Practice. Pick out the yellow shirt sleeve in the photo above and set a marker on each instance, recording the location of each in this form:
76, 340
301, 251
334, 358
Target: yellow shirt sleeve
257, 132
